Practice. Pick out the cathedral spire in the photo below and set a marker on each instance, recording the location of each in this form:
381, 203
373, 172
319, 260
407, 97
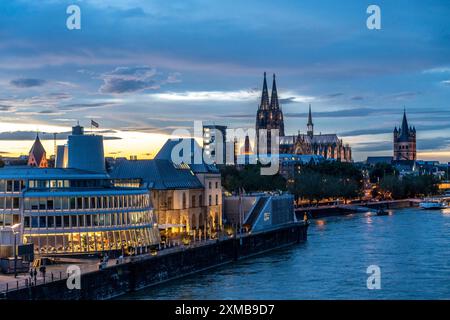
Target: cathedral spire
274, 104
265, 96
310, 125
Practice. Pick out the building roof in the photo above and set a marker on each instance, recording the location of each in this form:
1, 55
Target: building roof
26, 172
194, 159
160, 174
315, 139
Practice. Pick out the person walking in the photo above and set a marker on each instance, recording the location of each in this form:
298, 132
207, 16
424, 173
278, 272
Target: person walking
35, 276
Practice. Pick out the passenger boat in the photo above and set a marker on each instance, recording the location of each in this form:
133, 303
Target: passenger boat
433, 204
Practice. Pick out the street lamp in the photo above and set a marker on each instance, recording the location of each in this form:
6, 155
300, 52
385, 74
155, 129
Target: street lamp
15, 229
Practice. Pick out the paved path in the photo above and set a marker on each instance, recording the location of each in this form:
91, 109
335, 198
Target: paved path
59, 271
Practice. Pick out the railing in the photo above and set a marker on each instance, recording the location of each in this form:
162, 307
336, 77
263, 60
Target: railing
26, 282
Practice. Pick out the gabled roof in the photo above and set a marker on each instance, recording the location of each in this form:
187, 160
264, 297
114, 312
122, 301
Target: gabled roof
157, 174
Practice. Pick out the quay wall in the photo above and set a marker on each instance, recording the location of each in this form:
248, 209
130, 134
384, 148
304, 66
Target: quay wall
152, 270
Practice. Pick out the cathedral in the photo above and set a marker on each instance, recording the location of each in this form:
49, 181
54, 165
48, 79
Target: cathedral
270, 116
405, 141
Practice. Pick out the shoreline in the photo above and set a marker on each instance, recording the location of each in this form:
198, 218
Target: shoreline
146, 271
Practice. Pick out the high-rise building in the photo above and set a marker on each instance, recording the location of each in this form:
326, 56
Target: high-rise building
214, 143
405, 141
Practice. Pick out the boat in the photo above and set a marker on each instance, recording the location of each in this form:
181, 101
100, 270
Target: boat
433, 204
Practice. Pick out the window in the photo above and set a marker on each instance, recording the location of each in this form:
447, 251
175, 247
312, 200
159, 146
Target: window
58, 221
193, 204
16, 203
9, 186
217, 199
26, 222
217, 184
209, 200
200, 200
16, 185
66, 222
184, 201
209, 185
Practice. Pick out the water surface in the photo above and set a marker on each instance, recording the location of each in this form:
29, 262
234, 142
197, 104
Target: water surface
411, 246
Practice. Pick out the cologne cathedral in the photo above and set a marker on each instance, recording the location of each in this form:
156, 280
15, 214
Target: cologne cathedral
270, 116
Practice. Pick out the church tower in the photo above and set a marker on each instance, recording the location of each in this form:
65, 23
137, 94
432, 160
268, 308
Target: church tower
269, 115
310, 125
37, 156
405, 141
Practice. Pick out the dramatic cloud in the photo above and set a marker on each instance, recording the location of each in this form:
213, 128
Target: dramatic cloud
132, 79
27, 82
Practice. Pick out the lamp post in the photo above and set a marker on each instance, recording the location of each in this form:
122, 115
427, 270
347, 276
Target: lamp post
15, 229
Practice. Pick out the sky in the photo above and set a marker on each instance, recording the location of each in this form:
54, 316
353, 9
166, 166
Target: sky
143, 68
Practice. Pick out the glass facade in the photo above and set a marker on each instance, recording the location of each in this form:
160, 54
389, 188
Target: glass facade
61, 219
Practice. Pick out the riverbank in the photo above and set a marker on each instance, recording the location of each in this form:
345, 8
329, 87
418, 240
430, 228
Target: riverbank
148, 270
315, 212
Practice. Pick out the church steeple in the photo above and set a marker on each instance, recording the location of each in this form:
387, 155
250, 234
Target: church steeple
265, 96
405, 127
37, 155
310, 125
274, 104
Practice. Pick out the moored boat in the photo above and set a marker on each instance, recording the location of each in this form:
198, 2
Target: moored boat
433, 204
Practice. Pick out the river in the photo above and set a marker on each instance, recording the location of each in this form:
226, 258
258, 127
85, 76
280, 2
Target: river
410, 246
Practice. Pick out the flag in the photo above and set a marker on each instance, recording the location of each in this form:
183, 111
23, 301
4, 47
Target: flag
94, 124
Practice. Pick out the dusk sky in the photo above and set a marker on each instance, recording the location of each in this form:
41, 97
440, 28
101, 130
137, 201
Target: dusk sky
143, 68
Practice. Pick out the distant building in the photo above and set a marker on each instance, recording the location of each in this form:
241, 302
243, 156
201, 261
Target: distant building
215, 144
405, 141
37, 156
270, 116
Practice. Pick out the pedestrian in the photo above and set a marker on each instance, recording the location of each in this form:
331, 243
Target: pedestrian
35, 275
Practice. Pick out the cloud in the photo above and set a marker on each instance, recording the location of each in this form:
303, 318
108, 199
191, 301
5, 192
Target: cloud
132, 79
77, 106
224, 96
446, 82
5, 107
27, 82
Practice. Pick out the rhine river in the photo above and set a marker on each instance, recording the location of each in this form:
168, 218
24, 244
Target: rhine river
411, 247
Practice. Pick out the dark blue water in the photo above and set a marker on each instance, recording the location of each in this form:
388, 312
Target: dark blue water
411, 246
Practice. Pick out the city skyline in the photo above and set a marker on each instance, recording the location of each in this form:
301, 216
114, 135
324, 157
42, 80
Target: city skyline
175, 63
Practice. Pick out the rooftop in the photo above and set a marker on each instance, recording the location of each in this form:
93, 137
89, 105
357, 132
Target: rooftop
26, 172
158, 174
